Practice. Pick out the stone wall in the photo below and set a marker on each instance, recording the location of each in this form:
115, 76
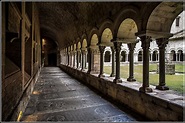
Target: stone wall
18, 76
157, 106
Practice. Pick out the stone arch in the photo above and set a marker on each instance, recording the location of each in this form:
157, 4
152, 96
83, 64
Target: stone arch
84, 36
84, 43
179, 55
106, 37
107, 56
94, 41
74, 47
79, 45
127, 29
163, 16
106, 32
173, 55
94, 32
131, 13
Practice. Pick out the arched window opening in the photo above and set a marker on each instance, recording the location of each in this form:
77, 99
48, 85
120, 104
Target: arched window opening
173, 55
180, 55
140, 56
123, 56
107, 56
154, 56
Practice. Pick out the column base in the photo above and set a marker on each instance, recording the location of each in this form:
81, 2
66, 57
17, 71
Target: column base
162, 87
131, 79
82, 69
117, 81
112, 75
101, 75
145, 89
88, 72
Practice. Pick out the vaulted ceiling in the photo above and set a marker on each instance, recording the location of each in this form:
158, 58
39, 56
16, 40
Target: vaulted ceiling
66, 22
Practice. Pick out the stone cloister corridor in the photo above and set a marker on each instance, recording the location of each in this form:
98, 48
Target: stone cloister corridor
53, 61
58, 97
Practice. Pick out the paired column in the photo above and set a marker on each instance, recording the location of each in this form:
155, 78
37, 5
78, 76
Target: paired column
117, 46
102, 49
83, 59
74, 59
162, 44
90, 59
113, 62
131, 47
145, 45
77, 58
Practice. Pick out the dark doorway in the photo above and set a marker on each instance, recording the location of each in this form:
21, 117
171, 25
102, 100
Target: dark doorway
52, 59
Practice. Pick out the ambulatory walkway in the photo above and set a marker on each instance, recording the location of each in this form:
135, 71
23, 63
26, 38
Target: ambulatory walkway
59, 97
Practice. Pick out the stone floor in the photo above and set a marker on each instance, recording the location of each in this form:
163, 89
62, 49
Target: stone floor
59, 97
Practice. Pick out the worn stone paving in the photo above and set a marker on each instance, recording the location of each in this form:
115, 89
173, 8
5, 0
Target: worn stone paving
58, 97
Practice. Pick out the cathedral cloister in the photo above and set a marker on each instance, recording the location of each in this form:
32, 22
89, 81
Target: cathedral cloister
54, 56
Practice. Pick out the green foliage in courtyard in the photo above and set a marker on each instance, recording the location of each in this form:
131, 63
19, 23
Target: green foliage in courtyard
174, 82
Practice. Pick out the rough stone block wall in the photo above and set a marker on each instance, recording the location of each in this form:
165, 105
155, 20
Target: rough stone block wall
17, 85
149, 105
12, 90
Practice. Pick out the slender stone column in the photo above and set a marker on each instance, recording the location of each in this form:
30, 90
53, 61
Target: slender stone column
113, 62
85, 59
126, 57
176, 56
162, 44
66, 58
71, 58
145, 45
131, 47
117, 46
102, 48
90, 60
151, 56
77, 58
74, 57
68, 55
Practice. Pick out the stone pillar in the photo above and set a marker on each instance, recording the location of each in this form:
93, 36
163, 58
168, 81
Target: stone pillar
176, 54
71, 58
126, 57
131, 47
117, 46
95, 60
74, 59
68, 58
113, 62
85, 60
90, 60
162, 44
145, 45
102, 49
151, 57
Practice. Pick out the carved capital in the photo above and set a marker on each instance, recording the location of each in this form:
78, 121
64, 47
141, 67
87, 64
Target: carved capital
161, 42
102, 48
145, 42
112, 49
131, 46
117, 46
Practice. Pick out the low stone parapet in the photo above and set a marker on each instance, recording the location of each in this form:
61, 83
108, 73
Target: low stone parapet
156, 106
